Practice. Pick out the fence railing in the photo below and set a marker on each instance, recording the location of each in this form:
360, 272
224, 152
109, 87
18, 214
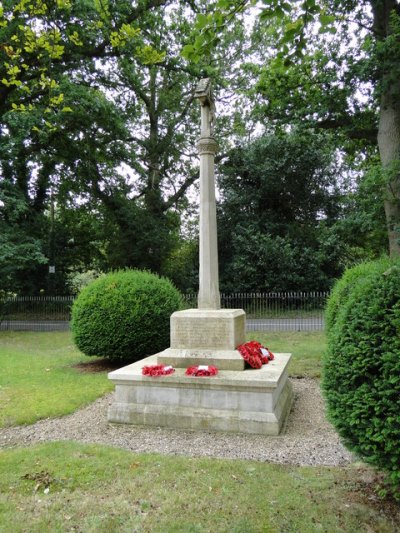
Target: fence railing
35, 313
272, 311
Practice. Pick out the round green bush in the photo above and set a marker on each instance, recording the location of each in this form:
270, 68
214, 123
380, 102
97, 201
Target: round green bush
124, 315
344, 285
361, 369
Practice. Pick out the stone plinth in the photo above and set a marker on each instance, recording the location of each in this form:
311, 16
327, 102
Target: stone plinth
206, 337
222, 329
222, 359
246, 401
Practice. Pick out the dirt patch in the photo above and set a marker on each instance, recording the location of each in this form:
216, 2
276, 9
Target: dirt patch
371, 488
99, 365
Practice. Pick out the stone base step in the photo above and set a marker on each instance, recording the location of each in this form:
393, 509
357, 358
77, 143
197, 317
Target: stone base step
244, 401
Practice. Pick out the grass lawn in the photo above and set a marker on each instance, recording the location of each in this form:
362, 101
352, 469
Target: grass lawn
38, 379
306, 348
100, 489
66, 486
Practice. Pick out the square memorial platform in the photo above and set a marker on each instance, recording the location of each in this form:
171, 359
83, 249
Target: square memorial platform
243, 401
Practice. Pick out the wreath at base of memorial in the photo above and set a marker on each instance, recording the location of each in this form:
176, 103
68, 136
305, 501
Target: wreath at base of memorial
255, 354
157, 370
202, 371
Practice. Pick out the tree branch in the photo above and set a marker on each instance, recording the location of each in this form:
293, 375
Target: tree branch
187, 183
353, 132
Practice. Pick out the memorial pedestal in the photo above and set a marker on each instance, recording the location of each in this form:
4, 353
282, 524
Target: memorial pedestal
237, 399
206, 337
246, 401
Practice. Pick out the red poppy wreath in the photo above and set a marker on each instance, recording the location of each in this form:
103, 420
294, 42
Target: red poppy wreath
157, 370
202, 371
255, 354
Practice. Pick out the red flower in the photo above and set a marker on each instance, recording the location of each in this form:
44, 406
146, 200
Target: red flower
202, 371
250, 351
255, 354
157, 370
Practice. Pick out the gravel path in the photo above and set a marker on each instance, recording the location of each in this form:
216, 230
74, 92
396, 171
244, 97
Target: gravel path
308, 439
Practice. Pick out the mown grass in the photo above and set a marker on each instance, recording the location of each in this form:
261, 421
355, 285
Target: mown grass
38, 379
62, 487
306, 348
100, 489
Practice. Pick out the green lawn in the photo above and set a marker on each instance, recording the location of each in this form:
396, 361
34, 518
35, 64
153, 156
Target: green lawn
62, 487
100, 489
306, 348
38, 380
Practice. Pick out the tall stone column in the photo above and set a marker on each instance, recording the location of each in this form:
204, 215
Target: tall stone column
209, 297
207, 335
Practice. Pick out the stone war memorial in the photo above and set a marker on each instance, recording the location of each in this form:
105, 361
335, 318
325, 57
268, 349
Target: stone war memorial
237, 399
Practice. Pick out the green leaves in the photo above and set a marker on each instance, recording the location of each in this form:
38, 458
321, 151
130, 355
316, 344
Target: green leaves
209, 26
289, 19
263, 184
20, 248
363, 347
124, 315
326, 20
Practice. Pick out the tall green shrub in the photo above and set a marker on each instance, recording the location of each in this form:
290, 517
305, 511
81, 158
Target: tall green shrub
124, 315
361, 374
345, 284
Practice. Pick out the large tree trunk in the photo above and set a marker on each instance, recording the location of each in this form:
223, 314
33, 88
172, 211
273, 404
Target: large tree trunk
389, 149
389, 123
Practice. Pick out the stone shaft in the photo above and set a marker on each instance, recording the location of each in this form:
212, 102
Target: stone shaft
209, 297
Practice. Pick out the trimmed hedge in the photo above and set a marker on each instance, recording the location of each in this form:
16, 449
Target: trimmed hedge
361, 369
344, 286
124, 315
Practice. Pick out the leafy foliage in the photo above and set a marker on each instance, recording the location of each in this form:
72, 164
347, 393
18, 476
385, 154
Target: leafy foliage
96, 110
182, 265
278, 201
124, 315
362, 365
118, 145
77, 281
347, 83
21, 249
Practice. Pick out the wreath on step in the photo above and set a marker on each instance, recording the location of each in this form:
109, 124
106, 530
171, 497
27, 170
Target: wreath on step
255, 354
202, 371
196, 371
157, 370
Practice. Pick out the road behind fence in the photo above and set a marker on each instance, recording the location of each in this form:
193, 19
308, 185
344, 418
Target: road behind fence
273, 311
35, 313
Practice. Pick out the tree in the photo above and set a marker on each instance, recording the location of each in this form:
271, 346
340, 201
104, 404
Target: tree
386, 33
49, 107
372, 60
122, 143
20, 245
41, 38
278, 205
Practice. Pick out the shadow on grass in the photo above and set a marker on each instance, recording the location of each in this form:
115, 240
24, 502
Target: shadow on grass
99, 365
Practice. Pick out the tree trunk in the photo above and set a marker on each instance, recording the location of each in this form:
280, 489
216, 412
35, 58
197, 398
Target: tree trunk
389, 149
389, 124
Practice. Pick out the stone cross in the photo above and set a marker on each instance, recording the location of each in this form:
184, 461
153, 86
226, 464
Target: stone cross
209, 297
